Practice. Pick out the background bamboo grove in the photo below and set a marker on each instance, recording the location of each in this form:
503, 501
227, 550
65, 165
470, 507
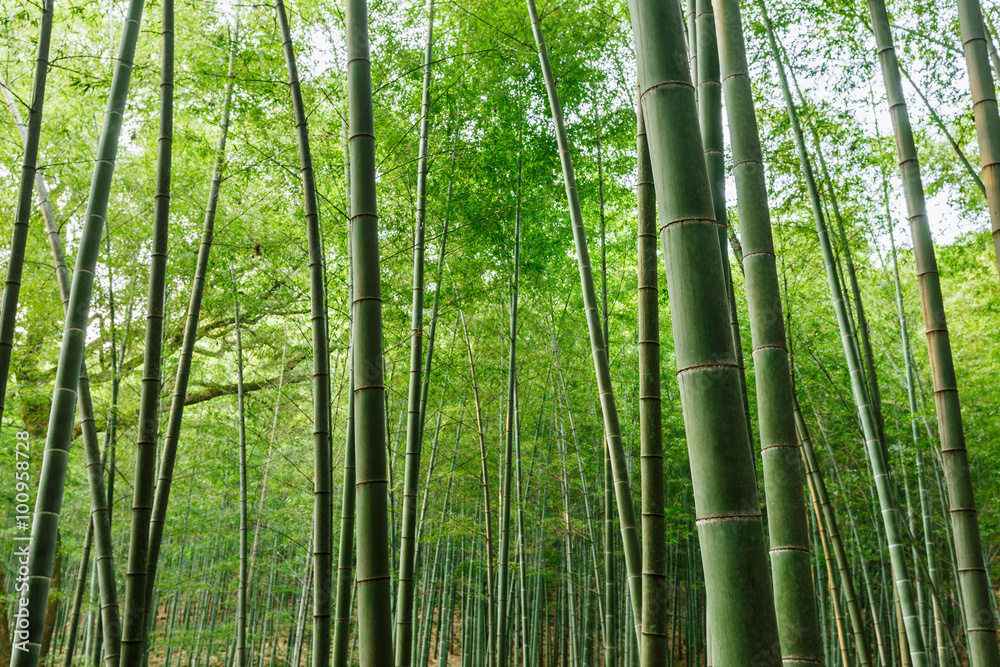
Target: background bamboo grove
499, 334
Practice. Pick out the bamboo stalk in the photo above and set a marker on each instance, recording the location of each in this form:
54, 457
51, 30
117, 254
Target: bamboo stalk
44, 529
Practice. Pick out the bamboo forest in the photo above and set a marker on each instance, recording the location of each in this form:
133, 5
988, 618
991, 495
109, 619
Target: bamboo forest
500, 333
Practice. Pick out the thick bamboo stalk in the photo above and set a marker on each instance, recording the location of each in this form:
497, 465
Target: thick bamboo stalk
978, 619
795, 603
709, 90
984, 110
374, 585
44, 529
730, 530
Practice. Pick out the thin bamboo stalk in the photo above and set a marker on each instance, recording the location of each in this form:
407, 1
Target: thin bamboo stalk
22, 215
609, 408
654, 548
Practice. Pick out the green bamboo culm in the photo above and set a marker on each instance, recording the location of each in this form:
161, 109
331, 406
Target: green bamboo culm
830, 528
709, 91
984, 107
503, 560
322, 444
744, 628
791, 567
868, 356
171, 436
891, 519
979, 622
609, 409
81, 582
100, 515
52, 478
244, 546
22, 217
414, 424
373, 577
654, 646
137, 600
345, 553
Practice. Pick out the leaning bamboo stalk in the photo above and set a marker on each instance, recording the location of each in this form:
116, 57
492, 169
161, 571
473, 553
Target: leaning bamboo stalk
259, 522
979, 622
829, 526
100, 500
44, 529
22, 215
862, 330
892, 521
944, 129
322, 445
728, 513
602, 369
